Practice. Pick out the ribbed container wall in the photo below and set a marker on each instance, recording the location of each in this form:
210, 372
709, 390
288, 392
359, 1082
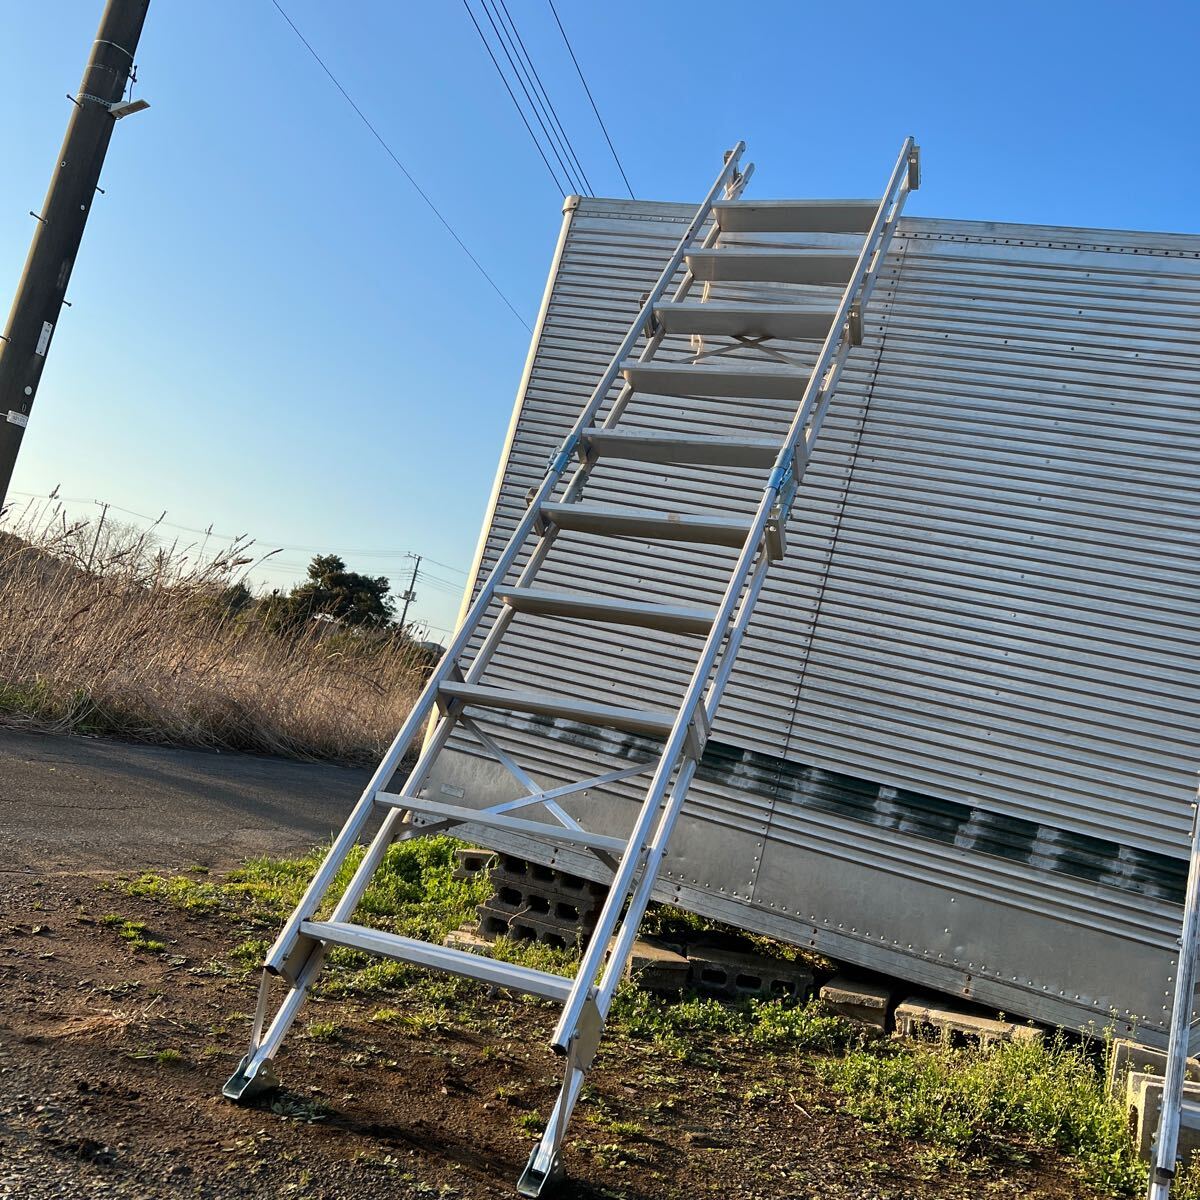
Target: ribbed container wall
974, 673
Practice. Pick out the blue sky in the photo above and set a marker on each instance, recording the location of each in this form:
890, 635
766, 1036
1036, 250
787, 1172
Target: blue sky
269, 331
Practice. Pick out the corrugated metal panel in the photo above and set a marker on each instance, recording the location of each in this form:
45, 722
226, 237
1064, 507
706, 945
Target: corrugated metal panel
975, 669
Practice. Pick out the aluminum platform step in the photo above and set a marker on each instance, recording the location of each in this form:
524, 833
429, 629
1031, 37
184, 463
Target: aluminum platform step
638, 446
734, 377
671, 618
718, 319
607, 716
456, 814
441, 958
730, 265
796, 216
652, 524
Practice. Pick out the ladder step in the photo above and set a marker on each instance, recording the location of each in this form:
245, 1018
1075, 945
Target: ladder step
639, 446
796, 216
707, 528
441, 958
772, 266
473, 816
733, 378
672, 618
716, 318
608, 716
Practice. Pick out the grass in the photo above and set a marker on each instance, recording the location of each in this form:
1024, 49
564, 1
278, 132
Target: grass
961, 1107
133, 933
109, 630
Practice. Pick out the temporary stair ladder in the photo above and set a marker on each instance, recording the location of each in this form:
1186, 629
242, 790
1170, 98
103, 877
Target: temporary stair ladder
1177, 1112
707, 259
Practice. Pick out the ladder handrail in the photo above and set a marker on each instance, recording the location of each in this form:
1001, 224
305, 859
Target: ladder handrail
1166, 1142
674, 751
426, 701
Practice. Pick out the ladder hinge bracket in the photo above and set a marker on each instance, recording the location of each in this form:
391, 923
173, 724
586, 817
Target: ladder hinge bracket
289, 966
914, 168
560, 460
783, 481
854, 325
698, 733
585, 1040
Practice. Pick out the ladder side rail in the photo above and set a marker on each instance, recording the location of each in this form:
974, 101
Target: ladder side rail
542, 1159
821, 383
1166, 1142
348, 837
680, 733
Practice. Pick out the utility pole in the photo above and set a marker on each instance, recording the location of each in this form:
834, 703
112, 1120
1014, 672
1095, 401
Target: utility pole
39, 299
409, 596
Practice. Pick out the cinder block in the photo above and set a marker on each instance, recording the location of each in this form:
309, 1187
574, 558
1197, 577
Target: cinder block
865, 1004
514, 921
548, 879
472, 861
467, 937
736, 973
1144, 1097
657, 968
1127, 1056
915, 1018
575, 909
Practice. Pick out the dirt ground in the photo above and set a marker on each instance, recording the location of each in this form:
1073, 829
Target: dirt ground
112, 1060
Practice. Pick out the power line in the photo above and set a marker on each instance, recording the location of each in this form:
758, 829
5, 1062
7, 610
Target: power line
547, 103
407, 174
509, 47
513, 98
357, 552
587, 89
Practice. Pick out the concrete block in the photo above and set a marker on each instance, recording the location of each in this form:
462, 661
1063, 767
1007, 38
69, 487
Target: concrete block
915, 1019
657, 968
865, 1004
737, 973
472, 861
1144, 1098
577, 909
548, 879
1127, 1056
497, 919
467, 937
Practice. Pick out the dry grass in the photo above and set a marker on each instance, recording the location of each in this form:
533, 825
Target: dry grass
108, 630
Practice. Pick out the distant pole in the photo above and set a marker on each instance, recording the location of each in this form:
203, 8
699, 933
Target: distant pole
410, 595
59, 229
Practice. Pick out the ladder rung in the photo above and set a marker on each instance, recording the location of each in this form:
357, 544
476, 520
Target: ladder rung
643, 446
716, 318
772, 266
608, 716
698, 379
441, 958
474, 816
672, 618
607, 521
796, 216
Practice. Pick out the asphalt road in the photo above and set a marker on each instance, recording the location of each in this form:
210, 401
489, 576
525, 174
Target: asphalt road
88, 803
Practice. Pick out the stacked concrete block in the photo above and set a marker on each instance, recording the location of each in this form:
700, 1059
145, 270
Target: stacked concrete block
863, 1004
537, 903
1127, 1056
918, 1019
734, 972
471, 861
656, 967
1143, 1095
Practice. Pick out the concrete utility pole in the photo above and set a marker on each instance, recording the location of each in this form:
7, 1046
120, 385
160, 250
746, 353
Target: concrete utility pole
95, 109
409, 596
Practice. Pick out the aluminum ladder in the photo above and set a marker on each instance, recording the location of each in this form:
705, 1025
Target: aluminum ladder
1177, 1112
297, 955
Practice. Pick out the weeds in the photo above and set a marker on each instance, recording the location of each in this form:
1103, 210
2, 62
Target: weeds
133, 933
109, 630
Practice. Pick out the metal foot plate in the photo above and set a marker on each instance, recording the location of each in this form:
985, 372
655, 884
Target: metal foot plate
244, 1087
534, 1183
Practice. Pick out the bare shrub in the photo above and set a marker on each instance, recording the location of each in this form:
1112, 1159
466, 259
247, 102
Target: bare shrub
108, 629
